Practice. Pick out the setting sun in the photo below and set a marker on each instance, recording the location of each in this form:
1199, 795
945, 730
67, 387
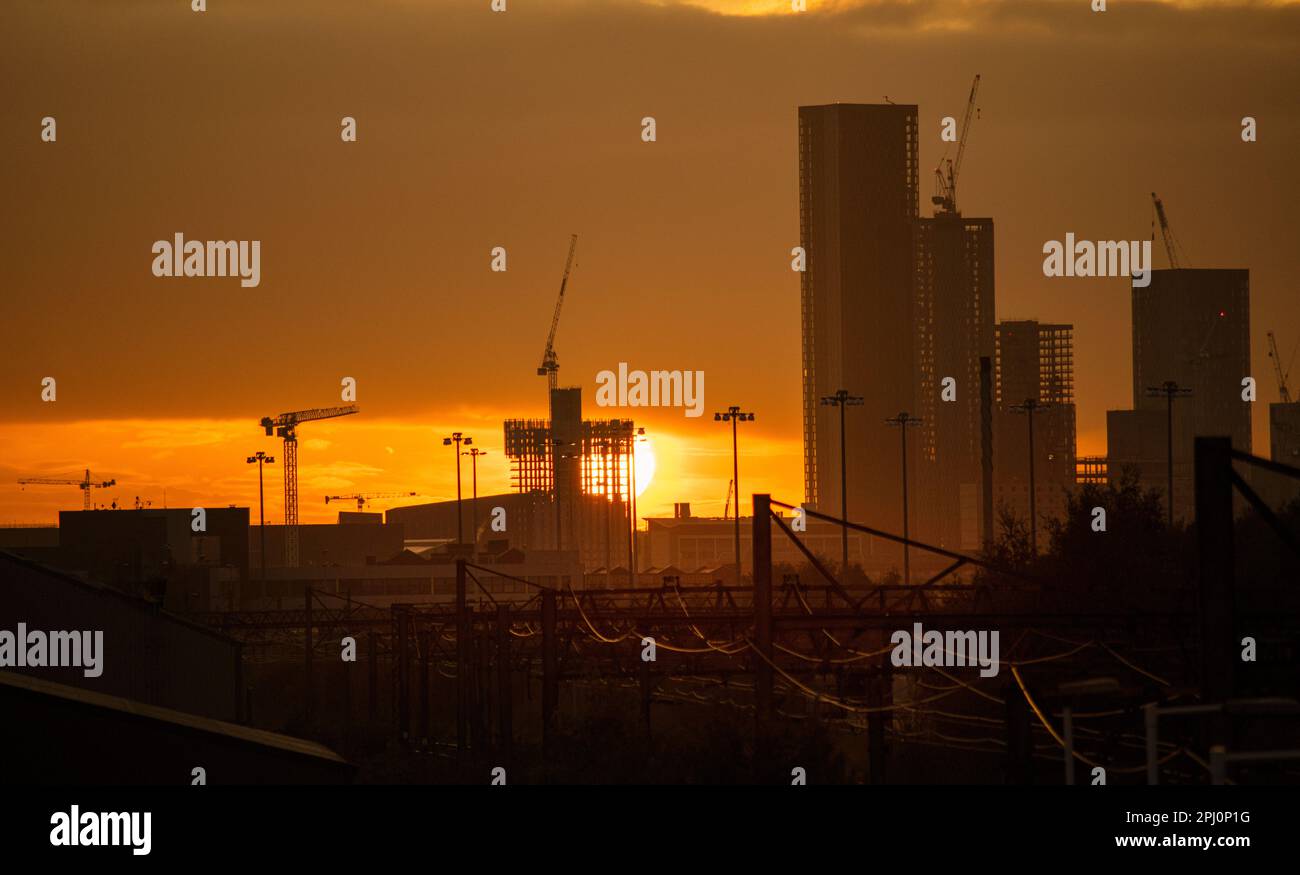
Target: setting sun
644, 469
645, 465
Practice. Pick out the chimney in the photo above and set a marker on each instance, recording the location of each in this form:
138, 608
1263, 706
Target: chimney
682, 510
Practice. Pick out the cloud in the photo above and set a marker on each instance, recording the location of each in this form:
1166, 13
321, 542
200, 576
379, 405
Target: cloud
760, 7
336, 475
1056, 17
180, 434
919, 9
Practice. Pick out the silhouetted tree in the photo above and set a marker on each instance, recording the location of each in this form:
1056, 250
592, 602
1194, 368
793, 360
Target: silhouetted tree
1134, 561
1010, 548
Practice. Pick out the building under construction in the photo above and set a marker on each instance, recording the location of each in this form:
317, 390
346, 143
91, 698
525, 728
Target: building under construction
584, 470
1035, 362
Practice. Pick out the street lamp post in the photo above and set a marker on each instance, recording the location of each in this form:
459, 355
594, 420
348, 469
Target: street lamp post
458, 440
1170, 390
556, 456
904, 421
260, 458
607, 491
734, 415
841, 399
1029, 408
473, 507
637, 438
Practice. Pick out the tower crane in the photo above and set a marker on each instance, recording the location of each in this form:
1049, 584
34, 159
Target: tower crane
945, 200
1166, 233
285, 425
1277, 370
85, 484
362, 497
550, 364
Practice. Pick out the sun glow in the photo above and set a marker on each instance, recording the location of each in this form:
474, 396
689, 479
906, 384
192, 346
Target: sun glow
644, 460
616, 481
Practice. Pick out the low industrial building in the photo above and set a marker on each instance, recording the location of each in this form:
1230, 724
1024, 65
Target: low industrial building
126, 548
689, 543
319, 546
593, 524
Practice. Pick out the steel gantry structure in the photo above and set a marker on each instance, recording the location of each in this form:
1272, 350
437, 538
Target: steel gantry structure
822, 651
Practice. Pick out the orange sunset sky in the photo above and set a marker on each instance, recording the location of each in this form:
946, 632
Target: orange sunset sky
479, 129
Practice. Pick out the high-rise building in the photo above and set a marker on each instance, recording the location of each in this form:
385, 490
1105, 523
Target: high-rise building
1136, 446
858, 192
1284, 432
1284, 446
953, 300
1190, 327
1035, 361
1193, 327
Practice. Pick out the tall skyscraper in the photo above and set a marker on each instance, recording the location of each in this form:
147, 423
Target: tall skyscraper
1193, 327
953, 290
857, 204
1190, 327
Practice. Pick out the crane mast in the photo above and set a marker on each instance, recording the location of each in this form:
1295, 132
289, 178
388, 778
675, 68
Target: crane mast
550, 363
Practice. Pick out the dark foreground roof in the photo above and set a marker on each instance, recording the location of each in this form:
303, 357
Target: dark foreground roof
70, 735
